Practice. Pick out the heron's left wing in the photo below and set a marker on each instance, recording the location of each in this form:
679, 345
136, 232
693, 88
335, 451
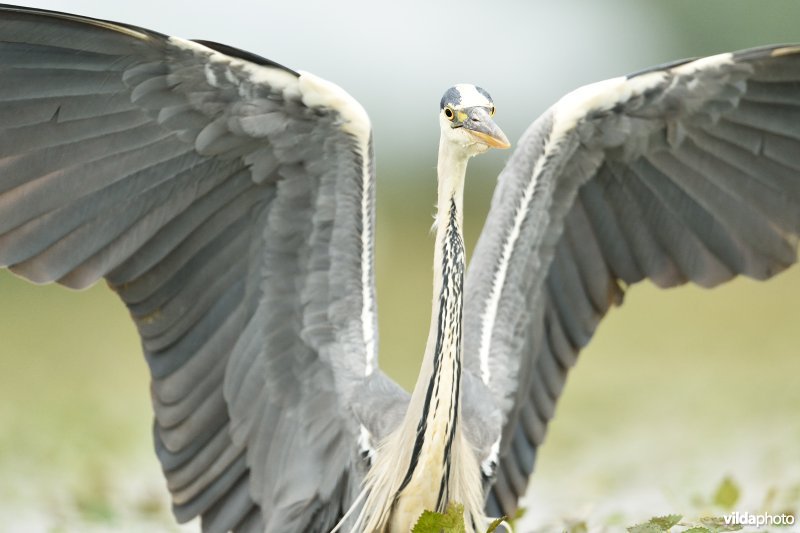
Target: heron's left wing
683, 173
229, 202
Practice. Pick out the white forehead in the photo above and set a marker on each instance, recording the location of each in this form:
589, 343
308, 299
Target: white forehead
470, 96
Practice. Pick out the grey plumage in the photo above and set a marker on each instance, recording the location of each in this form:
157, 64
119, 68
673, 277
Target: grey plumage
692, 177
198, 192
231, 207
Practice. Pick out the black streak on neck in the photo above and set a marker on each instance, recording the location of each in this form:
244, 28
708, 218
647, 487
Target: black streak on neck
452, 281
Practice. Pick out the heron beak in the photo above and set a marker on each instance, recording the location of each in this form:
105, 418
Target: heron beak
480, 124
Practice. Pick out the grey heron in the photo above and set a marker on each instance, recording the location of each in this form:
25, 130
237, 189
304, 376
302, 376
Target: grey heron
153, 161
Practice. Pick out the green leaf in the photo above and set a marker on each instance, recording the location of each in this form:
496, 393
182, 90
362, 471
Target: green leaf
716, 524
512, 520
658, 524
495, 524
727, 494
696, 529
520, 513
428, 522
451, 521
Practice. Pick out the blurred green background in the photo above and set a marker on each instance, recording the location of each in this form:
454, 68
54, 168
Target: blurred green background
678, 389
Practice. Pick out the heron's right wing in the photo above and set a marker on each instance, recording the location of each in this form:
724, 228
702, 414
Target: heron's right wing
229, 202
684, 173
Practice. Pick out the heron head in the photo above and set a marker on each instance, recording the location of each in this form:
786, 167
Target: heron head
465, 117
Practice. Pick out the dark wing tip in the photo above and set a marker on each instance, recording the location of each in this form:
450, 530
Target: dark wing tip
244, 54
6, 9
749, 54
662, 66
773, 50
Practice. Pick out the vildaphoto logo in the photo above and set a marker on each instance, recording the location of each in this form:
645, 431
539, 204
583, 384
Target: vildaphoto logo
758, 520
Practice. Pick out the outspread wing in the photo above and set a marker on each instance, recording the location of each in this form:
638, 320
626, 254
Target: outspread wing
229, 202
684, 173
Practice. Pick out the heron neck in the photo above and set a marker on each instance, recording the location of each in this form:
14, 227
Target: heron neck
426, 463
435, 405
451, 170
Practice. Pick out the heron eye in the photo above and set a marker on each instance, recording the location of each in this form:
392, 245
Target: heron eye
449, 113
491, 112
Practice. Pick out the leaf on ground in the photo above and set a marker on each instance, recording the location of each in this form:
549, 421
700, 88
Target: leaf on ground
451, 521
495, 524
717, 524
727, 494
658, 524
520, 513
512, 520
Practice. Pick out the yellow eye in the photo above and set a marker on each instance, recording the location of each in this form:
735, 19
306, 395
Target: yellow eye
491, 112
449, 113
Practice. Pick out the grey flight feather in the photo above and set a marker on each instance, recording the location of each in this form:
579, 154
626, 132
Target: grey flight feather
234, 220
689, 173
